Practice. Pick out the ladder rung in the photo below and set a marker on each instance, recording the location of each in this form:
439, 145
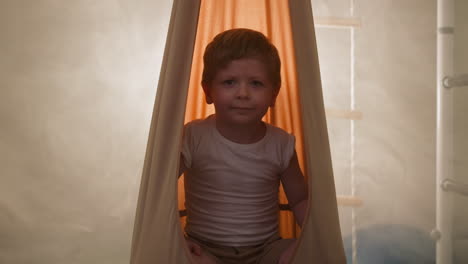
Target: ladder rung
455, 186
455, 81
337, 22
349, 201
345, 114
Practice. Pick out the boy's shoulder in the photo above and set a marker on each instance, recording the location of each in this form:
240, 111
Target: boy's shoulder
199, 124
278, 130
280, 137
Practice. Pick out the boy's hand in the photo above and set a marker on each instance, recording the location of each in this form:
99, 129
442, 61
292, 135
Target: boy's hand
197, 254
193, 247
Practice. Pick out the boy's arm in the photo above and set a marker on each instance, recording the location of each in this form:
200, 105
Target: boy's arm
295, 187
182, 167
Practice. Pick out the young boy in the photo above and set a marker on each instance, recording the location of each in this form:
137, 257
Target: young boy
234, 161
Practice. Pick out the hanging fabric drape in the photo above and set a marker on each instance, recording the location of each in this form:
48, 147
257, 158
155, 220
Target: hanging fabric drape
158, 236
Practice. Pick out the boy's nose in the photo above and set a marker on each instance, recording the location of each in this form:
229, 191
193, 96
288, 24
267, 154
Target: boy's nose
243, 91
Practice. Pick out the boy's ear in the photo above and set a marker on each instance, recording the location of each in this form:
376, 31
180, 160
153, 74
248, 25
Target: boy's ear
273, 99
206, 90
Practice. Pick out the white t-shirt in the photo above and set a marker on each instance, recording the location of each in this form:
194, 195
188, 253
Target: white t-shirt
231, 189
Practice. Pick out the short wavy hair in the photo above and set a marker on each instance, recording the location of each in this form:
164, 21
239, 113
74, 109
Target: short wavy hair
241, 43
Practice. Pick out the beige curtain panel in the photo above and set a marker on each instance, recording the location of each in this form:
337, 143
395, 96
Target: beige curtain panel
158, 235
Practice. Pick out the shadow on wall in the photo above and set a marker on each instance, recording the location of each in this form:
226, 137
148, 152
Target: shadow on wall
391, 244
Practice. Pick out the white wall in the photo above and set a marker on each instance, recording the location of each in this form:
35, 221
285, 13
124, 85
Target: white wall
396, 91
395, 63
77, 87
394, 143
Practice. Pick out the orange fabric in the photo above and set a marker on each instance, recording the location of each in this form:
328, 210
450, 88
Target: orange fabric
271, 18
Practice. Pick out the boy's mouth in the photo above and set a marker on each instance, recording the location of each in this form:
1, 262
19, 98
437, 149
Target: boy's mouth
241, 108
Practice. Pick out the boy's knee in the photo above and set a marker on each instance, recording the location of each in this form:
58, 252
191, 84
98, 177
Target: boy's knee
288, 252
203, 258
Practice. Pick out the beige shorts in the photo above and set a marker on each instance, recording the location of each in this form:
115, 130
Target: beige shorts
266, 253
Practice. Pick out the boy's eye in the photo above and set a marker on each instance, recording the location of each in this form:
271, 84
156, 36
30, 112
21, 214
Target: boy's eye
228, 82
257, 83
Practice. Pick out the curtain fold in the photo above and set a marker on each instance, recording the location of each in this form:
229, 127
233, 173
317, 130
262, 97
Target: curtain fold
299, 109
157, 237
321, 236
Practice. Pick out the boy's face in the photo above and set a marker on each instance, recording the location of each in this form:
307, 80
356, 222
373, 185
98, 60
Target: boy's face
241, 92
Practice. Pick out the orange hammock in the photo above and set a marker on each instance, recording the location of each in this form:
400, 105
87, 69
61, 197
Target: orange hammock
299, 109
